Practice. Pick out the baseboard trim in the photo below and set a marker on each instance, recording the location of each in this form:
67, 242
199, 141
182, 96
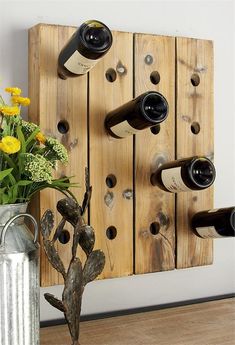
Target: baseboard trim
123, 312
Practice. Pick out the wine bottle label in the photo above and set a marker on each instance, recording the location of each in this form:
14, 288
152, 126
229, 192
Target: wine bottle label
208, 232
214, 210
123, 129
79, 64
173, 181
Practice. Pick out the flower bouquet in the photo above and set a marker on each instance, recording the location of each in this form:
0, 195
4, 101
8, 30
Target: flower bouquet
27, 156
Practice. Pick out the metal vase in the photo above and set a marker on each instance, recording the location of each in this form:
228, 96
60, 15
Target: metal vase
19, 277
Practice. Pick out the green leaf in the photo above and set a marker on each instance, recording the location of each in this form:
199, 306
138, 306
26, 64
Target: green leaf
32, 136
12, 179
5, 199
21, 163
21, 138
5, 173
10, 162
65, 191
24, 183
2, 190
14, 192
64, 184
65, 178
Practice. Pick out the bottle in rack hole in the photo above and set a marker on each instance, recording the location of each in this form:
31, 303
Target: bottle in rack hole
88, 44
194, 173
147, 110
214, 223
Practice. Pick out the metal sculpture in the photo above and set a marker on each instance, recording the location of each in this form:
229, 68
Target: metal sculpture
76, 277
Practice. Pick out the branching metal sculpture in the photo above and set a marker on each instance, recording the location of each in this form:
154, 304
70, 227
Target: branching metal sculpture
76, 277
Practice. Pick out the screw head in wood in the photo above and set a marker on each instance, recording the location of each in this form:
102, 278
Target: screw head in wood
121, 69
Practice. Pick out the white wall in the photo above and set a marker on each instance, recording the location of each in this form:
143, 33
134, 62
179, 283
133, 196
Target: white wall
202, 19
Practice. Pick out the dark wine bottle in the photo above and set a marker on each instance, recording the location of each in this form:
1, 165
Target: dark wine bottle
194, 173
147, 110
87, 45
214, 223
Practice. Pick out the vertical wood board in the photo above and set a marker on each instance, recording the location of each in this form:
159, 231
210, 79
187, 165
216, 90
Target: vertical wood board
154, 252
53, 100
112, 206
194, 105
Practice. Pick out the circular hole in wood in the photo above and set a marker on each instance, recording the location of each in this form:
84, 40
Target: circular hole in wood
111, 75
155, 77
195, 128
64, 236
111, 232
155, 228
195, 79
63, 126
155, 129
111, 181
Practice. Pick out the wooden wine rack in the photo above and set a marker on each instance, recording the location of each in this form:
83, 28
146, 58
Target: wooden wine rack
139, 227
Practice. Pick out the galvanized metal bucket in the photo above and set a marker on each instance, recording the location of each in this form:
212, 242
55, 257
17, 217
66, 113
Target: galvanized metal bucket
19, 277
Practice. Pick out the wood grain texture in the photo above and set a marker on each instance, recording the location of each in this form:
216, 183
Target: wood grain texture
53, 100
210, 323
154, 252
194, 104
112, 156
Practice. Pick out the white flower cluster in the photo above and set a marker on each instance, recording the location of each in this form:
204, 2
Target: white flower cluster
28, 127
58, 150
38, 168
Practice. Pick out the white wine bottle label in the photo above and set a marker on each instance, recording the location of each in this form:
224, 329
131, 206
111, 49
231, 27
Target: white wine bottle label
79, 64
173, 181
208, 232
123, 129
214, 210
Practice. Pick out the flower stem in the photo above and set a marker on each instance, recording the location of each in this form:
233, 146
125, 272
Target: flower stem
2, 100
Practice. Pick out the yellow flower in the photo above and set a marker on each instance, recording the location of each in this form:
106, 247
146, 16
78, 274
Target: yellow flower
10, 111
13, 90
10, 145
16, 100
41, 138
